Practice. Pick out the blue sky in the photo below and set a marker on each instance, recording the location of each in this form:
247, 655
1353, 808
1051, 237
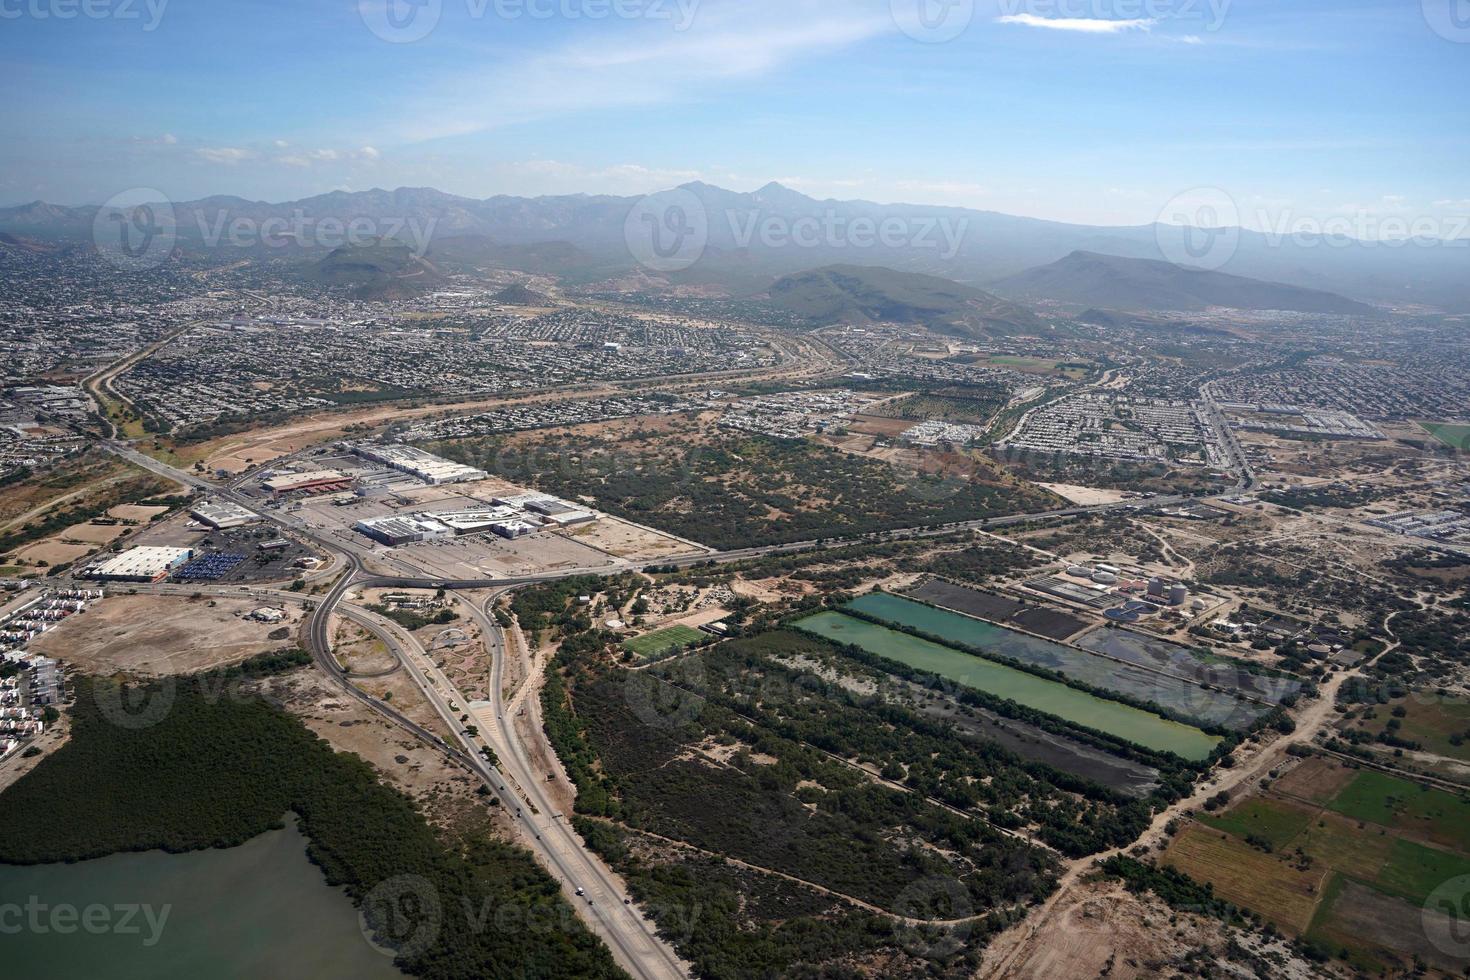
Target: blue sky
1097, 111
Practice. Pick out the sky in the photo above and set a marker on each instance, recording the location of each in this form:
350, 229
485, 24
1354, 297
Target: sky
1292, 112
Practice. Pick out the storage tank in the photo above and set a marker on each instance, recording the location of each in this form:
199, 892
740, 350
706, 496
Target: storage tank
1156, 586
1177, 595
1105, 578
1080, 571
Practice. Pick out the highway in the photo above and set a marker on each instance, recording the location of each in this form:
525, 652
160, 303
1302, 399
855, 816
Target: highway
513, 779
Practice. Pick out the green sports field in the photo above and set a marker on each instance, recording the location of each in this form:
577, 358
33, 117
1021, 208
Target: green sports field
663, 642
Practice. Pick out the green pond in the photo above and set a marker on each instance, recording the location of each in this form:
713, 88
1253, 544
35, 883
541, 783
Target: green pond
1142, 727
258, 910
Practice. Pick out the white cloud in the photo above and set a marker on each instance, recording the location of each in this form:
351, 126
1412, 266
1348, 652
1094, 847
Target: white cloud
369, 153
169, 139
1083, 25
642, 66
223, 154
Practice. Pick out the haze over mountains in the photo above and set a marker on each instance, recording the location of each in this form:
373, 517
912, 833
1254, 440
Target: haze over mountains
750, 246
1112, 282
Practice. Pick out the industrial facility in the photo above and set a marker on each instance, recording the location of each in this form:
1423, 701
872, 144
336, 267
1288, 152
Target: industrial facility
222, 514
142, 564
433, 470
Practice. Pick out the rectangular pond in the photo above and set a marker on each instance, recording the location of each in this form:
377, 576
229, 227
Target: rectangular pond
1175, 659
1141, 727
1174, 693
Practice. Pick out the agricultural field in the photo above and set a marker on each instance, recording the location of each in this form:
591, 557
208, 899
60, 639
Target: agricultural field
1456, 435
1351, 860
661, 643
1434, 723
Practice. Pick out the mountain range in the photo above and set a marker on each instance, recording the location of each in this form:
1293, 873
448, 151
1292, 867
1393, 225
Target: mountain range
582, 236
1112, 282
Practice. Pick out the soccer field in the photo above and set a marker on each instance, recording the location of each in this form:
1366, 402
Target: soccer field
661, 642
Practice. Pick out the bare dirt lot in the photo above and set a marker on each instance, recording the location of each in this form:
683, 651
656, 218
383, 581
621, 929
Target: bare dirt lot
1103, 930
624, 540
156, 635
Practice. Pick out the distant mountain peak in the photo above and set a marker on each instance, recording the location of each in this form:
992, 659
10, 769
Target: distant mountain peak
1116, 282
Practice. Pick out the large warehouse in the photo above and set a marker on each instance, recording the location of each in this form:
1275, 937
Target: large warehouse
394, 531
142, 564
221, 514
315, 480
433, 470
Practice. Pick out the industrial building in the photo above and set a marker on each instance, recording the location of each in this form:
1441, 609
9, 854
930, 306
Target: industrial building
314, 481
550, 509
405, 529
433, 470
142, 564
222, 514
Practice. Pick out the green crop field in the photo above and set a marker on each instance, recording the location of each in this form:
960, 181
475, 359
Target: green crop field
1427, 813
1415, 871
1263, 819
1452, 434
663, 642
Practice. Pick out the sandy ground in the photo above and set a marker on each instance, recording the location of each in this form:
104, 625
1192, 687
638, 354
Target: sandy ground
93, 533
444, 792
624, 540
1102, 930
155, 635
54, 552
1084, 496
